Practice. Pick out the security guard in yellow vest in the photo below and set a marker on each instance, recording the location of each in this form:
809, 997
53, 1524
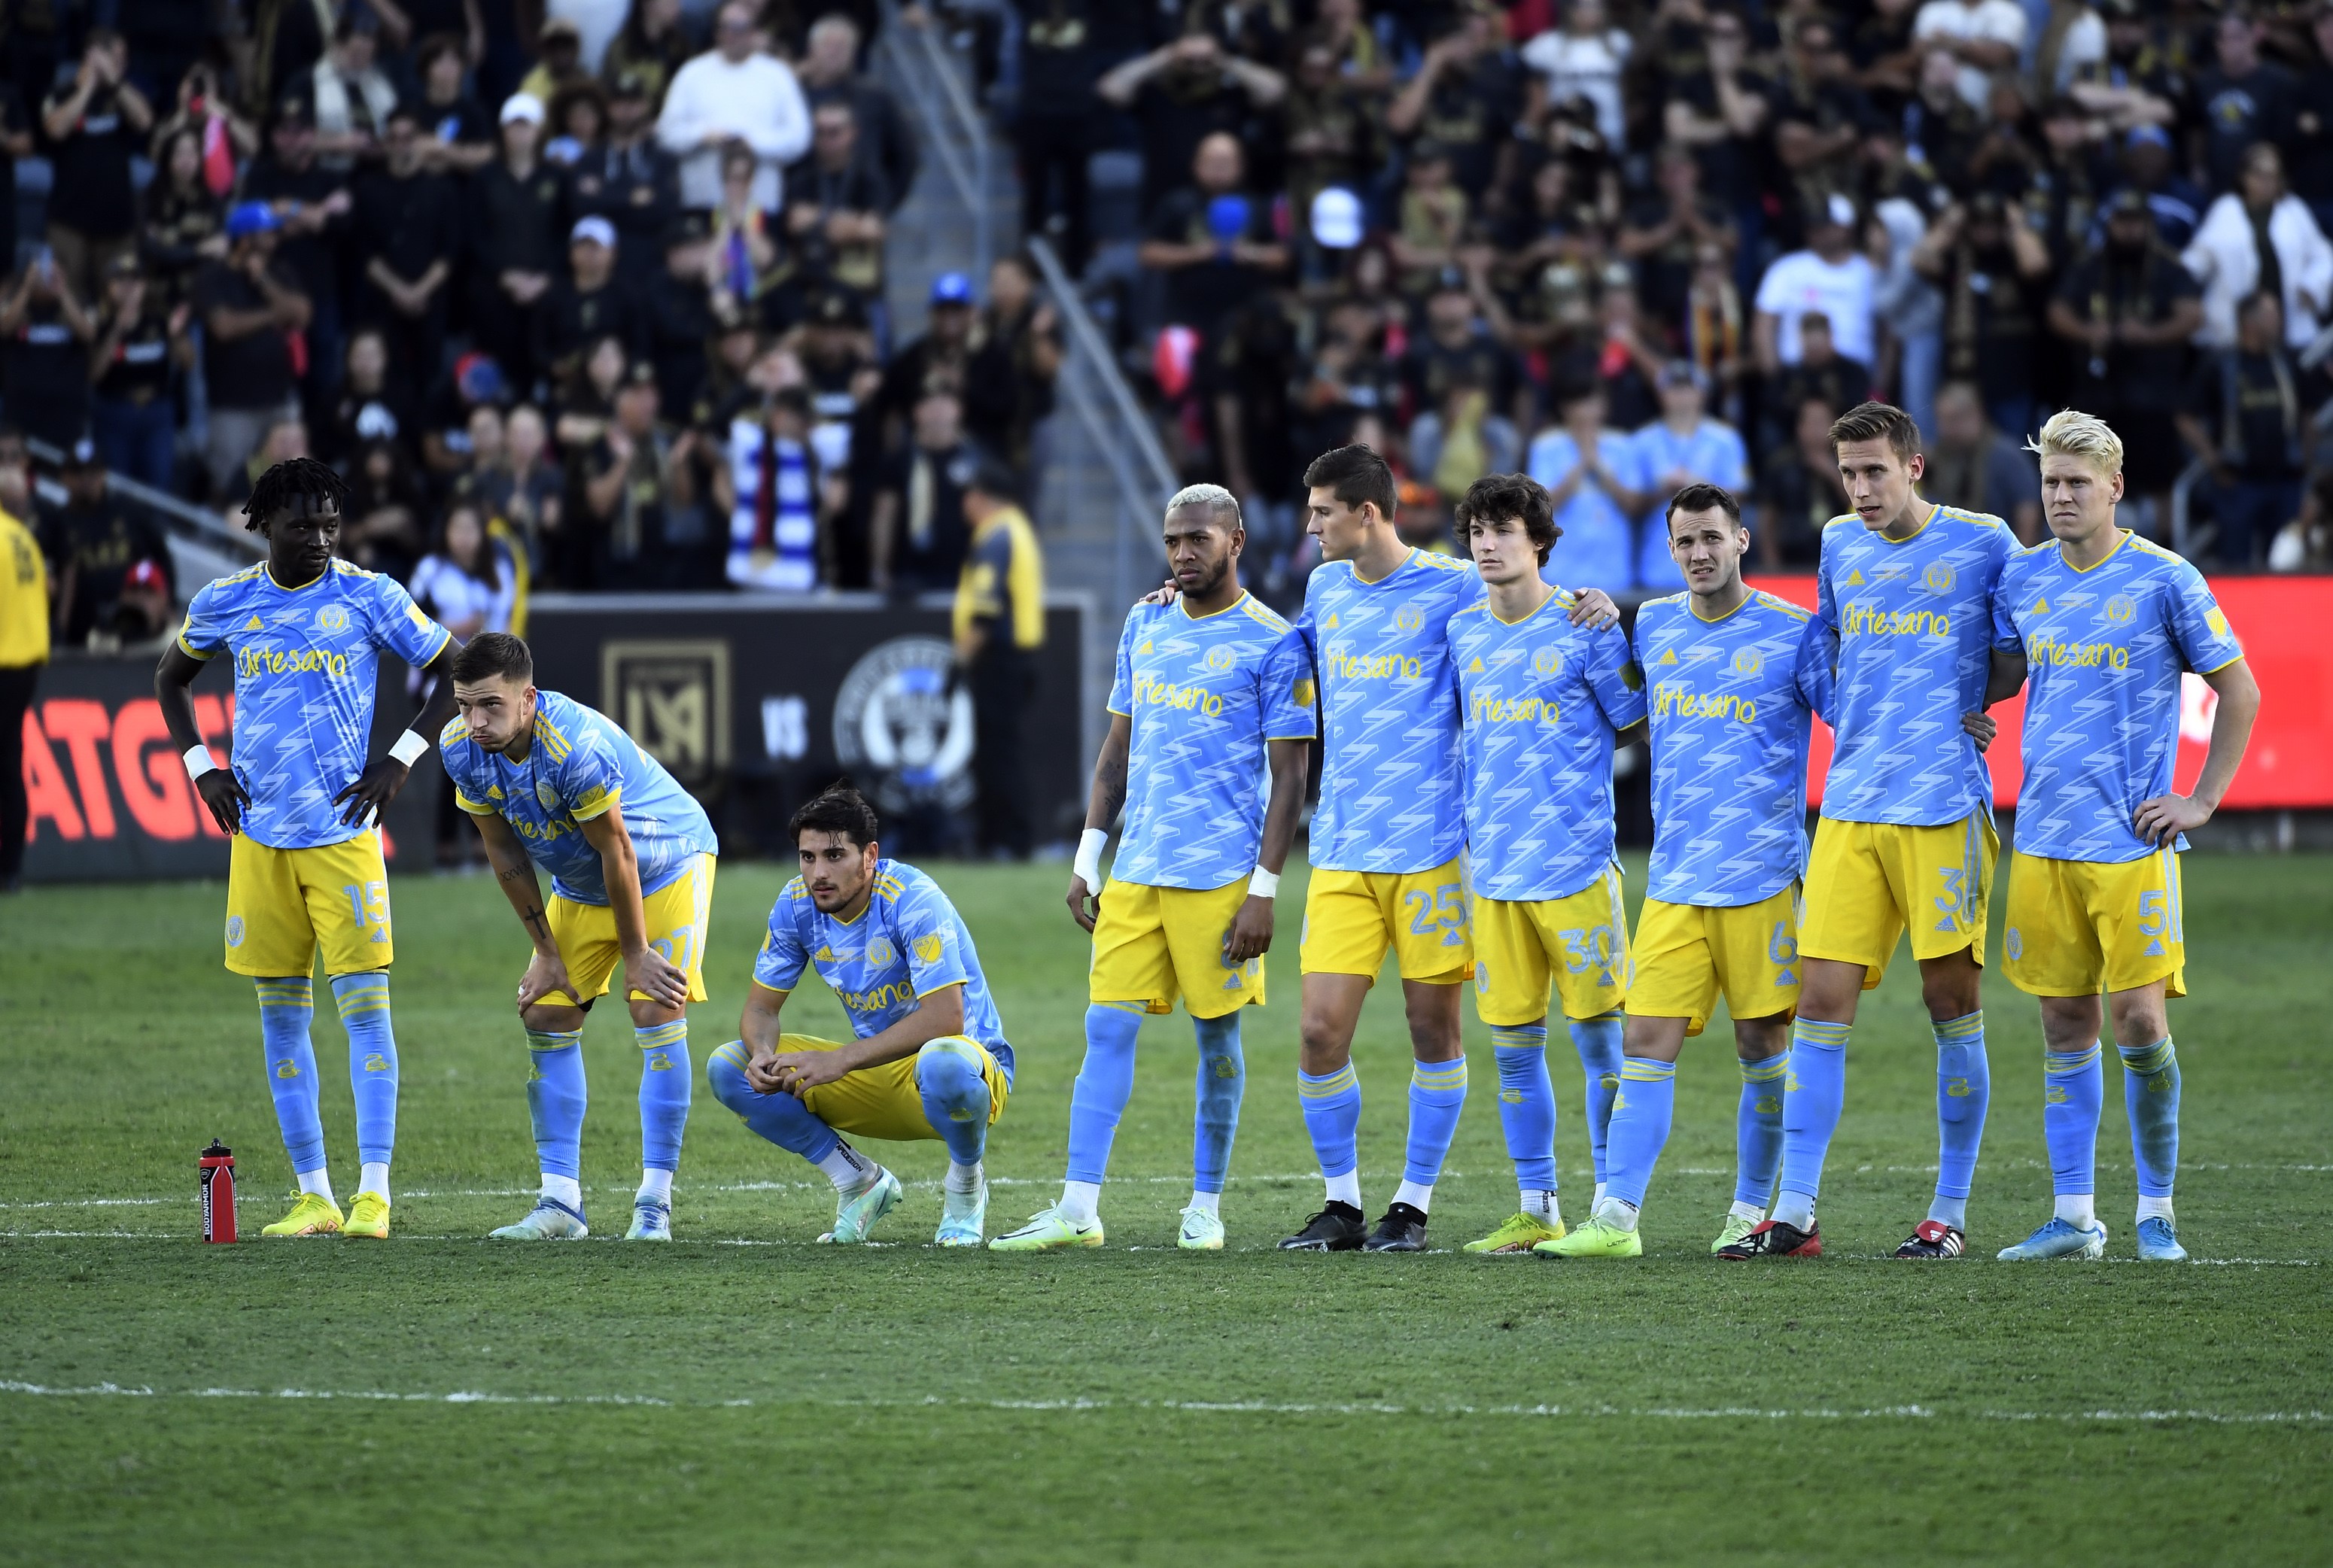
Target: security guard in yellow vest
23, 649
999, 623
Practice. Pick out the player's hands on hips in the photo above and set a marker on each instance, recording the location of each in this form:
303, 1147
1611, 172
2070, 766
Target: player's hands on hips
224, 793
1251, 932
1594, 608
1078, 894
545, 979
2161, 821
375, 788
1981, 728
657, 977
798, 1072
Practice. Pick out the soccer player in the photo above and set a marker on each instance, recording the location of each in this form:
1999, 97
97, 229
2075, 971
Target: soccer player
1542, 706
1906, 841
2106, 623
1385, 837
1736, 682
927, 1058
1208, 691
304, 869
555, 785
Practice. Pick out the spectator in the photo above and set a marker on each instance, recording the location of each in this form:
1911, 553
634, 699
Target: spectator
1993, 275
1432, 221
351, 94
407, 231
474, 382
185, 223
1985, 38
1943, 125
2306, 543
24, 614
522, 488
835, 203
1055, 131
559, 61
2239, 101
1185, 94
1665, 230
679, 312
1906, 304
1800, 483
2312, 125
1335, 134
369, 406
141, 338
629, 180
1009, 385
513, 229
1457, 354
745, 259
2246, 423
918, 531
588, 303
95, 540
45, 378
1582, 61
93, 124
1820, 115
1590, 474
999, 625
938, 361
2177, 206
467, 586
312, 205
1468, 92
780, 506
1831, 277
381, 519
1971, 464
458, 136
2260, 238
1684, 446
1821, 374
2072, 46
733, 92
577, 120
643, 500
1712, 335
650, 47
829, 73
1213, 240
248, 304
16, 144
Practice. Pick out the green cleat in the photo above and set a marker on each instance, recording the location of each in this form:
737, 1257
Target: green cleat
1203, 1231
547, 1221
1519, 1233
1049, 1230
651, 1221
1595, 1238
857, 1210
1736, 1227
963, 1218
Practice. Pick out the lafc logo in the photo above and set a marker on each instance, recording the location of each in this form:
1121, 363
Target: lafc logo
672, 697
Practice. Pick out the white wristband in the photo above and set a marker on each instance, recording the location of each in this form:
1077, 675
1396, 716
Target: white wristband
1088, 864
1263, 883
408, 747
199, 762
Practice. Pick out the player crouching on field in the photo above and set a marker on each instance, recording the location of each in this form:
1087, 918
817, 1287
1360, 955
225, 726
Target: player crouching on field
930, 1059
2106, 623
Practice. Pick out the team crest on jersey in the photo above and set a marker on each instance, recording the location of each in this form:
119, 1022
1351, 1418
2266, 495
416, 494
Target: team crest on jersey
881, 952
2120, 610
1748, 661
1939, 577
234, 930
1409, 619
1221, 658
1546, 660
331, 618
928, 948
2012, 943
546, 794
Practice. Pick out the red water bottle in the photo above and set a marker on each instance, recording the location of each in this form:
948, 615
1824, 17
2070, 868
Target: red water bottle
218, 1192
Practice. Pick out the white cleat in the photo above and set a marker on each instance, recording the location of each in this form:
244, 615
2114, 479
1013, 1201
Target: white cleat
1203, 1231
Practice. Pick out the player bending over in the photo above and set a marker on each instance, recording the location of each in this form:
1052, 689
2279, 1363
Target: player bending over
928, 1059
2106, 624
1734, 684
1541, 704
1207, 689
553, 784
299, 804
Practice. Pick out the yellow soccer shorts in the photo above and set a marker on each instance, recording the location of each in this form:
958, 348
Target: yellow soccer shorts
879, 1101
1351, 917
1868, 882
2077, 927
1579, 942
1153, 944
1686, 955
283, 904
676, 915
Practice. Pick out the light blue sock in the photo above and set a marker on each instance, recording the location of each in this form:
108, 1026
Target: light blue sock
363, 1001
1332, 1116
1105, 1082
2150, 1093
1641, 1114
1222, 1085
1438, 1093
1814, 1090
955, 1095
286, 1006
780, 1118
1526, 1104
666, 1079
555, 1098
1597, 1041
2073, 1091
1758, 1131
1964, 1089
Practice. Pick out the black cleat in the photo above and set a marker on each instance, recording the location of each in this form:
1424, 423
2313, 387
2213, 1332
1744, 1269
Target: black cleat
1403, 1229
1935, 1239
1338, 1228
1776, 1240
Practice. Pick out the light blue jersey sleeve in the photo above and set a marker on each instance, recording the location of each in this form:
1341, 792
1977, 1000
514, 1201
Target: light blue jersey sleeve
2199, 627
1818, 678
1121, 678
1614, 678
1287, 694
932, 937
204, 634
400, 625
590, 777
779, 965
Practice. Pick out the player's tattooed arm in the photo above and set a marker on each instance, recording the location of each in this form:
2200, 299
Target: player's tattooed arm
546, 972
1103, 802
220, 790
384, 776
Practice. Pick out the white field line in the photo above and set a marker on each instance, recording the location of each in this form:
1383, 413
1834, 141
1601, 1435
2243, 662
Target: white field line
1198, 1407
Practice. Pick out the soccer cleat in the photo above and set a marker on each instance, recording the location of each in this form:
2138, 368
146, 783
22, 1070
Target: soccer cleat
1048, 1230
1594, 1238
1203, 1231
857, 1210
2158, 1241
651, 1221
1772, 1239
1737, 1226
1519, 1233
313, 1214
963, 1218
2058, 1239
1401, 1228
1338, 1228
1933, 1239
368, 1216
547, 1221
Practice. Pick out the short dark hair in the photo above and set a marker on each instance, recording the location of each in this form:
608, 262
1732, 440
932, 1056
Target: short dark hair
1701, 496
299, 483
1354, 474
1495, 497
841, 810
1878, 422
493, 655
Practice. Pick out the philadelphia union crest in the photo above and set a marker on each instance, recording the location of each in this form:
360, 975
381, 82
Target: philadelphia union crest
898, 729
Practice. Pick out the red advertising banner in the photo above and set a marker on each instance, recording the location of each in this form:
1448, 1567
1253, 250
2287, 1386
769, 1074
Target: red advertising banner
2283, 622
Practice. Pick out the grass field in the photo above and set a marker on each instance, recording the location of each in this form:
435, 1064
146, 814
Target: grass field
745, 1396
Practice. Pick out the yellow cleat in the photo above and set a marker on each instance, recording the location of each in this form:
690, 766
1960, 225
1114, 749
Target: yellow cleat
1594, 1239
1521, 1233
368, 1215
313, 1214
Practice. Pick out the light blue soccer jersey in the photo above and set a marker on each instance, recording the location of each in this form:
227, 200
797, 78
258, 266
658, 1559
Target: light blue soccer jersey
1731, 701
1542, 700
2105, 650
907, 944
580, 764
1389, 771
306, 664
1204, 694
1908, 626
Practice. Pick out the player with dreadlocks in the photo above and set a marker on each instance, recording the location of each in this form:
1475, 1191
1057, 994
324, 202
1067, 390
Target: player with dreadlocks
300, 804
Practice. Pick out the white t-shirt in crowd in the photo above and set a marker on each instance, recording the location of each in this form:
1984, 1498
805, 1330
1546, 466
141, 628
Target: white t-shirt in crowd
1803, 282
2001, 21
1589, 67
